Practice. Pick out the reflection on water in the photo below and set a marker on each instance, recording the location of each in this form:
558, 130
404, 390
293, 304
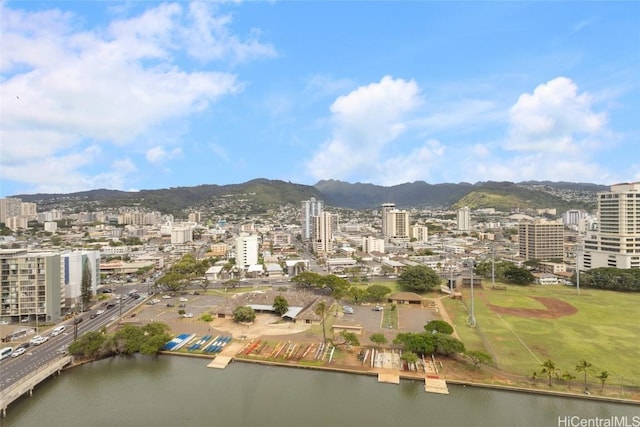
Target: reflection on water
168, 390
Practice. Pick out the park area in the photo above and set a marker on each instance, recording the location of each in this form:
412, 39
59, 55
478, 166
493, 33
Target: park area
523, 326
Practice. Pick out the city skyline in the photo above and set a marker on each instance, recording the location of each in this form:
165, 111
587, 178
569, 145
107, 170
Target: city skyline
154, 95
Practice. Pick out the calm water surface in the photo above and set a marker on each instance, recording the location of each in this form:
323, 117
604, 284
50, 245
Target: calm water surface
176, 391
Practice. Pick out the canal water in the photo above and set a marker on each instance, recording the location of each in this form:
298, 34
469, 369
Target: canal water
176, 391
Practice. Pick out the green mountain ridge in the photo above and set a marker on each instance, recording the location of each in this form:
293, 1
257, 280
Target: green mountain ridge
264, 194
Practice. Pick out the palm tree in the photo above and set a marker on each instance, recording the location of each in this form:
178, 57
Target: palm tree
583, 366
321, 310
603, 377
549, 368
568, 377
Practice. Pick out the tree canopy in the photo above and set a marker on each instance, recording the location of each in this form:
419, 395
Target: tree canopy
244, 314
280, 305
419, 278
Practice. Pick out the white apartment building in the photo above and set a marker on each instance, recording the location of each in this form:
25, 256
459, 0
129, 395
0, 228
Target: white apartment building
617, 241
246, 251
372, 244
420, 233
464, 219
384, 209
397, 224
322, 238
30, 285
310, 208
181, 235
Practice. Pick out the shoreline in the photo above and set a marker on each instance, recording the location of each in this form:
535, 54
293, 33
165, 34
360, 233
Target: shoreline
405, 376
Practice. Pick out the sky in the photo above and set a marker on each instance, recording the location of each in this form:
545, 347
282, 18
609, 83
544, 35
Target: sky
147, 95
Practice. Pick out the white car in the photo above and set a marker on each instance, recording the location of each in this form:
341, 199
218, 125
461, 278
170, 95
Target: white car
40, 340
166, 296
187, 315
183, 299
99, 312
18, 352
37, 340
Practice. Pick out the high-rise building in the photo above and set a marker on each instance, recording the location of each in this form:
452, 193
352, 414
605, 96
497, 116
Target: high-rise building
542, 240
396, 224
323, 233
30, 285
10, 207
372, 244
464, 219
420, 233
384, 209
80, 276
616, 243
246, 251
310, 209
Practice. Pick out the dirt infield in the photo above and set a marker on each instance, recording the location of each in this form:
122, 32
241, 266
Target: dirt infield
554, 308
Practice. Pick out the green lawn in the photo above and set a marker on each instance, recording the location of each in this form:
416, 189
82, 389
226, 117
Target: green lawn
605, 331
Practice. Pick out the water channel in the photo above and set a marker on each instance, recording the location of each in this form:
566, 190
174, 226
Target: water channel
177, 391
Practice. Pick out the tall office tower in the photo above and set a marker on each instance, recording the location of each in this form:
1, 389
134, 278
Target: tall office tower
385, 208
464, 219
397, 223
310, 208
30, 285
616, 243
542, 240
246, 251
323, 233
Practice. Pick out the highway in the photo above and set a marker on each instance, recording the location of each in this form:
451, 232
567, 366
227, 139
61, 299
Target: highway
13, 369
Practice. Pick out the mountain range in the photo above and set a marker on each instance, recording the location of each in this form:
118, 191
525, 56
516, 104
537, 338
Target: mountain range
339, 194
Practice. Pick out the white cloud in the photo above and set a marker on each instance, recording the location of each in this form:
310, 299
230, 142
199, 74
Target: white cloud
159, 154
364, 122
64, 87
414, 166
219, 151
554, 119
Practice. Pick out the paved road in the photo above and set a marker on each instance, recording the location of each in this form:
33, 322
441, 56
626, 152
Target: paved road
13, 369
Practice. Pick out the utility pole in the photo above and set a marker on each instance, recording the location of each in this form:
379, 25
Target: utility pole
471, 320
578, 250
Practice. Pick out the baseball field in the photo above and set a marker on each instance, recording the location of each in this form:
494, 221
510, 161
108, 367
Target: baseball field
522, 326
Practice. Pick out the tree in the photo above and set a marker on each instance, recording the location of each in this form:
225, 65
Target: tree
348, 339
378, 339
307, 279
321, 310
409, 357
477, 357
519, 276
568, 377
603, 377
583, 366
549, 368
418, 278
448, 345
439, 326
280, 305
85, 284
358, 294
244, 314
378, 292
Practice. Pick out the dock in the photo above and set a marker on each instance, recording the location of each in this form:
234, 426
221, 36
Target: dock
433, 384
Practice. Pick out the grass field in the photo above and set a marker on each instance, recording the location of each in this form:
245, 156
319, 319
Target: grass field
605, 331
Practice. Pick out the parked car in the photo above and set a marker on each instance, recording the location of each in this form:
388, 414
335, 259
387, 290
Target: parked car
183, 300
347, 310
170, 305
166, 296
187, 315
377, 308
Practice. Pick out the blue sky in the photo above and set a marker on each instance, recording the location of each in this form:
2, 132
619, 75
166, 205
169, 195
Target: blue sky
143, 95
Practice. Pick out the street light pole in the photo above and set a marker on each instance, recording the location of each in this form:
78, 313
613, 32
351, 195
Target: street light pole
471, 320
